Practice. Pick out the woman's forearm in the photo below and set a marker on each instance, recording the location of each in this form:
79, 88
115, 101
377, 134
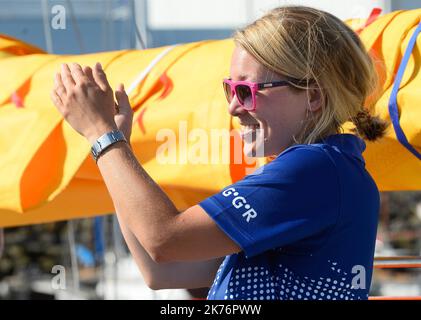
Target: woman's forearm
173, 275
144, 262
138, 200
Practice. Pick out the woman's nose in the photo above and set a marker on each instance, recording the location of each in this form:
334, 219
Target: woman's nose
235, 108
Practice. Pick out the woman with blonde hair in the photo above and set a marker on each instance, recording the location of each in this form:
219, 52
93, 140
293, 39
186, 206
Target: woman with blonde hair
301, 227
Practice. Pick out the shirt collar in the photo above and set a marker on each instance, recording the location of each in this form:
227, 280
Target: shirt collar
347, 143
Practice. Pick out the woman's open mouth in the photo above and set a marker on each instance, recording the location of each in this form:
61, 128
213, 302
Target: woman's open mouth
248, 131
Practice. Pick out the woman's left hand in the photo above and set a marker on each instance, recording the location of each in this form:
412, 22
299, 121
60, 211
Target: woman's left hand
85, 99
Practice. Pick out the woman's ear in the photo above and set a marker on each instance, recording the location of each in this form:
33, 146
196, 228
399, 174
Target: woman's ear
314, 99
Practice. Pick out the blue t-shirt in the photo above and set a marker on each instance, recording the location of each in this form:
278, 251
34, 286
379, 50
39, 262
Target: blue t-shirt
306, 223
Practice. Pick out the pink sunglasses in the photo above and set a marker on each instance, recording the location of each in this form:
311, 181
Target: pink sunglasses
246, 90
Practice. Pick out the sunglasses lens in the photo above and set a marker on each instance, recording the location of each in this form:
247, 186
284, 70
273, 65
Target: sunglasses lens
227, 91
244, 95
243, 92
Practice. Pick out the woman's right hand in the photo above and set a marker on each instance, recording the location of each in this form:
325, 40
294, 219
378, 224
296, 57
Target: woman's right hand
123, 119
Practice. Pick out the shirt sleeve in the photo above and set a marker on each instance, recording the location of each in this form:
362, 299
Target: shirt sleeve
290, 199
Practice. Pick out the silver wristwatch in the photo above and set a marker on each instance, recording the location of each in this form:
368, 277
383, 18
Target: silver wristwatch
105, 141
